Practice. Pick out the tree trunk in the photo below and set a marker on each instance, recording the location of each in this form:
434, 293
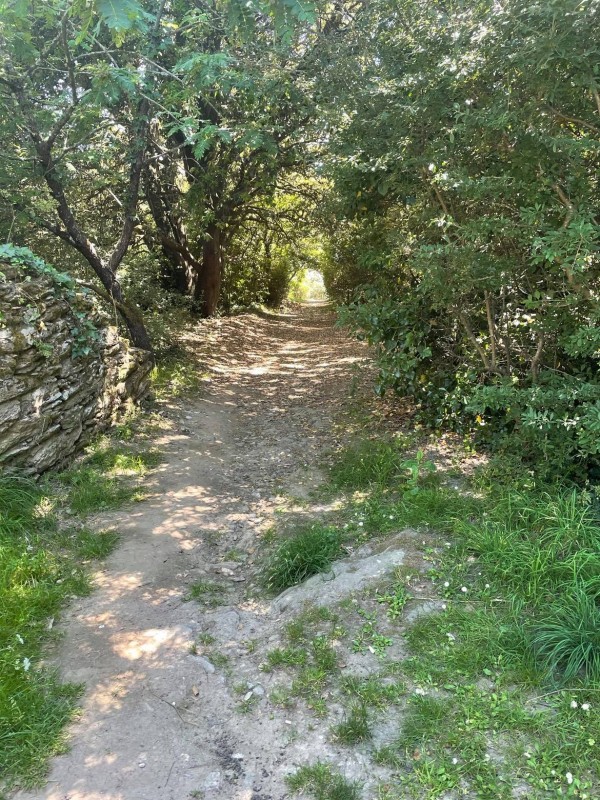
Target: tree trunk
137, 330
208, 284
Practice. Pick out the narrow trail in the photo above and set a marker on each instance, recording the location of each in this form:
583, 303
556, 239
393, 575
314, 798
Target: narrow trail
160, 722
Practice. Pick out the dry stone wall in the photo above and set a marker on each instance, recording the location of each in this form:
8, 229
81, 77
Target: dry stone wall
63, 374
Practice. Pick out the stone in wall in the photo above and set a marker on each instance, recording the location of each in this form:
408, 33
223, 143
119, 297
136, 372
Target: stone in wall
63, 374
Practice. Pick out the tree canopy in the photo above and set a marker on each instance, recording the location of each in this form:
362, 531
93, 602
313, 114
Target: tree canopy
437, 161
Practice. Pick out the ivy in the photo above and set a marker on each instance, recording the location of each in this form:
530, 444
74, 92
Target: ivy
85, 334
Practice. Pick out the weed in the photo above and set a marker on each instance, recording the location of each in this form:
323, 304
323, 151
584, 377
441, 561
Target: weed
89, 490
395, 600
323, 783
207, 592
324, 656
373, 691
308, 552
219, 659
95, 544
175, 375
282, 697
370, 639
367, 464
285, 657
355, 727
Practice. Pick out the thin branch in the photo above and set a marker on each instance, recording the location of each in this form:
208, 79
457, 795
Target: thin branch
467, 326
576, 121
535, 361
491, 327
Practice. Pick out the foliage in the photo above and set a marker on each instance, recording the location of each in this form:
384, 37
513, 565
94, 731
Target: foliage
154, 131
464, 153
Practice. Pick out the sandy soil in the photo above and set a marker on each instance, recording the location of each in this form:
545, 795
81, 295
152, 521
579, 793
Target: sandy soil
160, 722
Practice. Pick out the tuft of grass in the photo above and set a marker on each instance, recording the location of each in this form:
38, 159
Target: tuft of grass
118, 461
207, 592
367, 464
95, 544
175, 375
355, 727
307, 552
96, 483
285, 657
90, 491
536, 546
373, 691
566, 640
322, 782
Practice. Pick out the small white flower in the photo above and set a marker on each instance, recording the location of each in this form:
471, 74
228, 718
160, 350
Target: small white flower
455, 760
431, 167
360, 524
451, 637
526, 754
573, 703
420, 691
444, 606
464, 589
569, 778
390, 517
487, 586
446, 584
20, 639
586, 706
26, 665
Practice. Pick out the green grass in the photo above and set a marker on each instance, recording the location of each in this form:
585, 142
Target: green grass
175, 375
96, 482
355, 727
322, 782
501, 687
307, 552
36, 576
311, 656
207, 592
375, 691
95, 544
366, 464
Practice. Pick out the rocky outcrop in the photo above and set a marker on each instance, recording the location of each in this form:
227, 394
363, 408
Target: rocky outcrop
63, 374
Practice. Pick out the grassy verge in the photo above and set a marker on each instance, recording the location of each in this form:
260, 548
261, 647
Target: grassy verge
499, 684
45, 557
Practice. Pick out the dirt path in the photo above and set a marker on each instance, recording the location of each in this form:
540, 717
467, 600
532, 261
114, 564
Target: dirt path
160, 722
